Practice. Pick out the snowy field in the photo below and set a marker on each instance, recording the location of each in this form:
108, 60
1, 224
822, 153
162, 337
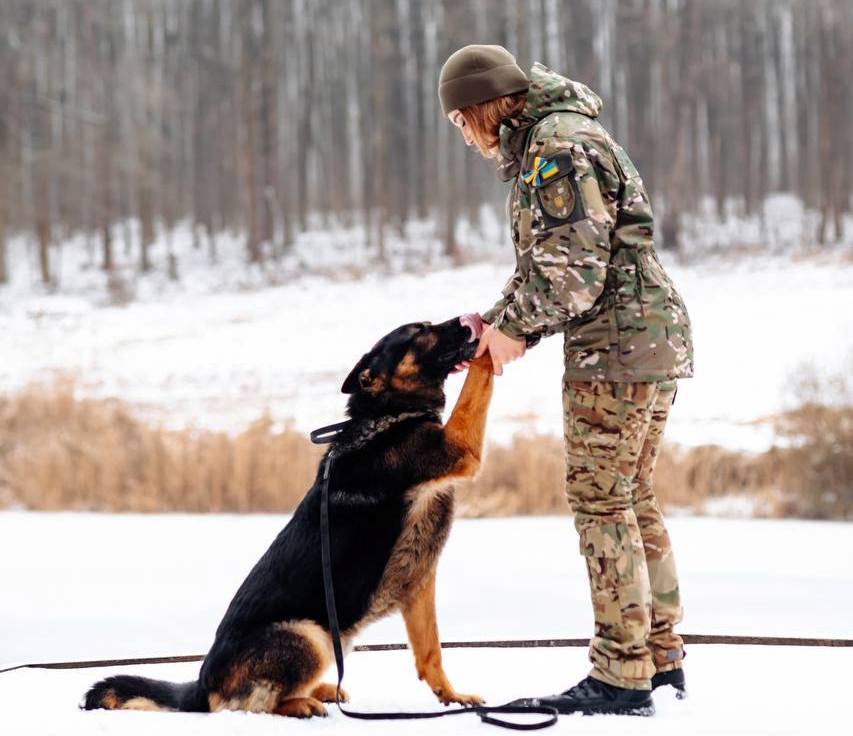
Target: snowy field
93, 586
220, 359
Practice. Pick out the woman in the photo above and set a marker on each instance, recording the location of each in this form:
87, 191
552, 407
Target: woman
582, 228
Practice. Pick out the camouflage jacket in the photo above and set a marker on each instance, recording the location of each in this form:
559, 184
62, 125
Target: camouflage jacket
582, 228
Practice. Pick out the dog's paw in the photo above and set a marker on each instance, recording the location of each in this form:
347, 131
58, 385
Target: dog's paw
301, 708
451, 696
325, 692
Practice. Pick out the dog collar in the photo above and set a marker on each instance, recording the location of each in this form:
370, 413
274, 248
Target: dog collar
364, 431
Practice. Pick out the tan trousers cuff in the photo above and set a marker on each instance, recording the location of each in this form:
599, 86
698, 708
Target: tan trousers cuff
631, 674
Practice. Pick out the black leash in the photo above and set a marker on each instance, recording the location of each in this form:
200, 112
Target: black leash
325, 435
728, 640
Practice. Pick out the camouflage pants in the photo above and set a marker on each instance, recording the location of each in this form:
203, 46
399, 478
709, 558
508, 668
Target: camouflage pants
613, 432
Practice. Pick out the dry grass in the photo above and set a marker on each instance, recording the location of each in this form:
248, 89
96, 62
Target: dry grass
59, 452
818, 482
528, 478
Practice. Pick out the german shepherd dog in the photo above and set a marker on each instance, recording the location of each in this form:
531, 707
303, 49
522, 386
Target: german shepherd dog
390, 507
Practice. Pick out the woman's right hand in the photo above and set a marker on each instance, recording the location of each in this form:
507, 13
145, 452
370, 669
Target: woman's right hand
474, 322
502, 348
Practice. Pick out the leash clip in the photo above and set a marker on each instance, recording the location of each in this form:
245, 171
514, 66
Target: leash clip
325, 435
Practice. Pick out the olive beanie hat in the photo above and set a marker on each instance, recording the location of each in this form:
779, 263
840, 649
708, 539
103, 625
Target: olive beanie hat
477, 73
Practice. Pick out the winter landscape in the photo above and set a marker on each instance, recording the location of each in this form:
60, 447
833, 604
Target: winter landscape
89, 586
86, 586
208, 213
215, 356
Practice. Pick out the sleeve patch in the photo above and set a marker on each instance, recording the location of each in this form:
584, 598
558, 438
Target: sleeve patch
543, 170
557, 190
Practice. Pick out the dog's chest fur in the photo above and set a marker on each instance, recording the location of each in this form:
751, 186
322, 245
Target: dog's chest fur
425, 529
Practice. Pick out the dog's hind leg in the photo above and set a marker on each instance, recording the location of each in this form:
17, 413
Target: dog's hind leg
466, 427
277, 671
419, 615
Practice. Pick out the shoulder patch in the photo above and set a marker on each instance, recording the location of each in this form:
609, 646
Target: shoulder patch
543, 170
555, 180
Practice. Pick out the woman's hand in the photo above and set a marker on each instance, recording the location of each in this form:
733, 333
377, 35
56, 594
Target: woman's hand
473, 322
502, 348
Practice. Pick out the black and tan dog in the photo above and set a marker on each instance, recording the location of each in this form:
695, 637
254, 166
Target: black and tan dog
391, 506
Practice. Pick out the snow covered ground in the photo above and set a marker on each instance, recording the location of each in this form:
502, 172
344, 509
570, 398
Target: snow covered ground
90, 586
219, 359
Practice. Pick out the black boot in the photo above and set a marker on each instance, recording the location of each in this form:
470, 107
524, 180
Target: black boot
674, 678
593, 696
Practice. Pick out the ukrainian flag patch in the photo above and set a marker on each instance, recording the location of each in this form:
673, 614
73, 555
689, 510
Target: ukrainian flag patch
543, 169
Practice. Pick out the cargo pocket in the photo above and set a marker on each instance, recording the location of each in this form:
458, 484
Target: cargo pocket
618, 579
602, 540
603, 548
594, 419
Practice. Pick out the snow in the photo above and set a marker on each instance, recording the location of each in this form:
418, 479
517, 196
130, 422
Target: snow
220, 358
782, 225
90, 586
732, 690
327, 247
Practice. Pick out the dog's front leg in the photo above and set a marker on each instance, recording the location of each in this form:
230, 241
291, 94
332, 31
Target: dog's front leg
419, 615
466, 427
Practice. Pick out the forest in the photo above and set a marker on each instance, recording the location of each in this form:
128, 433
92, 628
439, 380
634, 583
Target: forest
121, 119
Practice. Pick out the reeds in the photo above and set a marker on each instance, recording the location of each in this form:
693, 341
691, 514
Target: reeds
61, 452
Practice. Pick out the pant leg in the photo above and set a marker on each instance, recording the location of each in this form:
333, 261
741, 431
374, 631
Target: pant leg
665, 644
605, 427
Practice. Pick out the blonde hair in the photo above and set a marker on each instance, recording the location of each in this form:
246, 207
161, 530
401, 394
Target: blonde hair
484, 119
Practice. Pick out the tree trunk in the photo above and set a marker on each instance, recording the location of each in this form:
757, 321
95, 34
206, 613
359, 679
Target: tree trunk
676, 181
4, 269
248, 109
380, 29
144, 173
306, 109
269, 121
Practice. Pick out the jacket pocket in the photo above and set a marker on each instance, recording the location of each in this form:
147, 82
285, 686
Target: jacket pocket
650, 317
588, 338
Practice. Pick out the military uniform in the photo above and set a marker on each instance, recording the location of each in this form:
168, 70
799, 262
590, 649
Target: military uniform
582, 228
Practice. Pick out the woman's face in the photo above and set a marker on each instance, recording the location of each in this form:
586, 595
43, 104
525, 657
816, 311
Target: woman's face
458, 119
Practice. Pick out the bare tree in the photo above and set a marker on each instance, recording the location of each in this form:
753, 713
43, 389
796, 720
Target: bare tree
264, 117
248, 108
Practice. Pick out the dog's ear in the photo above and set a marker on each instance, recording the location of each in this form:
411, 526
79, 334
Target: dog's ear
360, 377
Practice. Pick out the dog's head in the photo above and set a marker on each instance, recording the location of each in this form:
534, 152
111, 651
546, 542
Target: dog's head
410, 364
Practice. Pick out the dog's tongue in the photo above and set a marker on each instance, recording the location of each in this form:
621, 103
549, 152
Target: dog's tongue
473, 322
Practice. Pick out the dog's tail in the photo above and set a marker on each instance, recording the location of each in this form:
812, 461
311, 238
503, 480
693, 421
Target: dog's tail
141, 693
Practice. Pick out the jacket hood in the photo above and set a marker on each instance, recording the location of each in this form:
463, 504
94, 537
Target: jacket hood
549, 92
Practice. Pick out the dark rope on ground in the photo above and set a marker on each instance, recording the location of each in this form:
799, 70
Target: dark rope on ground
769, 641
